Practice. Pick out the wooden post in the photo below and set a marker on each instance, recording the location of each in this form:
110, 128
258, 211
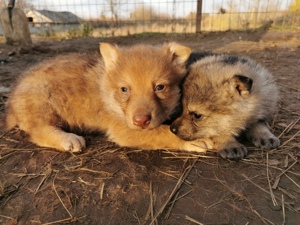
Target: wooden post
198, 16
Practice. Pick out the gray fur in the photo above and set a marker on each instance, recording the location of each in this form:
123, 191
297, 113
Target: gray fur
232, 95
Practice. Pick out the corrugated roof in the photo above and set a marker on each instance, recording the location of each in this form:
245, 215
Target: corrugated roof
60, 17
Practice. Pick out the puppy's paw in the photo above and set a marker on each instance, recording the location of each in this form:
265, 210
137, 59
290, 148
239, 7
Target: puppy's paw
233, 151
199, 145
265, 141
73, 143
260, 135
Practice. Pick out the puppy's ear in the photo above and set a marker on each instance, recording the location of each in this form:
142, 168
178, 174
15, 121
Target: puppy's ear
109, 54
179, 53
242, 84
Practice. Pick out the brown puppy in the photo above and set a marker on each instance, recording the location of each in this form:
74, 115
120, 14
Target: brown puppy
127, 93
224, 96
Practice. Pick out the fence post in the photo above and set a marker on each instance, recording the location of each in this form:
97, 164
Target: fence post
198, 16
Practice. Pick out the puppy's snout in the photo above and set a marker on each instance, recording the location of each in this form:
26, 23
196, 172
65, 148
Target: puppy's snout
141, 120
174, 128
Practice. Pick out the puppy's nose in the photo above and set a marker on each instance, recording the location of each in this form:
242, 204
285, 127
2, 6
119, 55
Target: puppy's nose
142, 120
174, 129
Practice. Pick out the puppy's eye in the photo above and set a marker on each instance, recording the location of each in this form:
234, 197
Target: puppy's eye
124, 89
196, 116
160, 87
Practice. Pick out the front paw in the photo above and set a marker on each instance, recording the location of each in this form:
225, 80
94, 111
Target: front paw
234, 151
199, 145
73, 143
266, 142
261, 136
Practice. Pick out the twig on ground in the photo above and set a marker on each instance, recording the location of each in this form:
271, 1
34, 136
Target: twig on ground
262, 218
247, 178
10, 139
193, 220
170, 175
3, 134
276, 183
85, 182
269, 183
8, 154
71, 216
283, 209
284, 143
292, 180
135, 215
172, 205
286, 192
151, 203
7, 217
214, 204
58, 221
181, 196
48, 173
289, 127
175, 189
273, 167
102, 191
260, 188
94, 171
286, 161
294, 163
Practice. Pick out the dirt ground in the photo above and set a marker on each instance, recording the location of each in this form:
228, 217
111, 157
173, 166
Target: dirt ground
107, 184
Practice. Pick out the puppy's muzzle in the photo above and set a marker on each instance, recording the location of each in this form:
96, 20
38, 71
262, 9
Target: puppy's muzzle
142, 121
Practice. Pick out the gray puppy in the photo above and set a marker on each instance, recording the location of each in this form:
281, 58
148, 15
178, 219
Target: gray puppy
224, 97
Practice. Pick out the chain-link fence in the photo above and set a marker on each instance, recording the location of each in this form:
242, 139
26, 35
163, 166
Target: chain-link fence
73, 18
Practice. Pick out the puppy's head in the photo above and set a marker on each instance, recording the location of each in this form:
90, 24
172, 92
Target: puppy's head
142, 82
216, 101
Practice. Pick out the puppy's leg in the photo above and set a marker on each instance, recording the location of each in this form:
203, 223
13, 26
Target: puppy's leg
260, 135
53, 137
229, 148
158, 138
39, 119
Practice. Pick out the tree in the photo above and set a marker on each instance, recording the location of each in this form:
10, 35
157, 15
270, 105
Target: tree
115, 8
295, 6
142, 13
147, 13
21, 4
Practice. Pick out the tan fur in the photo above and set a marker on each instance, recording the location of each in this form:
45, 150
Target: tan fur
222, 98
127, 93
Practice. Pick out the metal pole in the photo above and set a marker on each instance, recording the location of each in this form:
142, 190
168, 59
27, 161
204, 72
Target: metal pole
11, 4
198, 16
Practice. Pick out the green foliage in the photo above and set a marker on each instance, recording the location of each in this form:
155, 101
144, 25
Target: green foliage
73, 33
49, 33
279, 27
150, 34
86, 31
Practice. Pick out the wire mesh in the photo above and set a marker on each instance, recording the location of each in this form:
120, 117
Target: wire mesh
125, 17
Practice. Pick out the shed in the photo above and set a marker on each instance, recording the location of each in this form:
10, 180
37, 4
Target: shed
52, 17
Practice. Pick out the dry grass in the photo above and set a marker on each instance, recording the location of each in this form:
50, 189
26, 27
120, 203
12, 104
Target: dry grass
58, 167
107, 184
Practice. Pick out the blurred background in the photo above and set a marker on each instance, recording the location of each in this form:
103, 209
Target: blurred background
109, 18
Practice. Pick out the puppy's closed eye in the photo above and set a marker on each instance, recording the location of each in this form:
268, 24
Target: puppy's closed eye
196, 116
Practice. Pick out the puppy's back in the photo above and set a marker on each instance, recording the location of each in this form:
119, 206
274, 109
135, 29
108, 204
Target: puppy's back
50, 85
